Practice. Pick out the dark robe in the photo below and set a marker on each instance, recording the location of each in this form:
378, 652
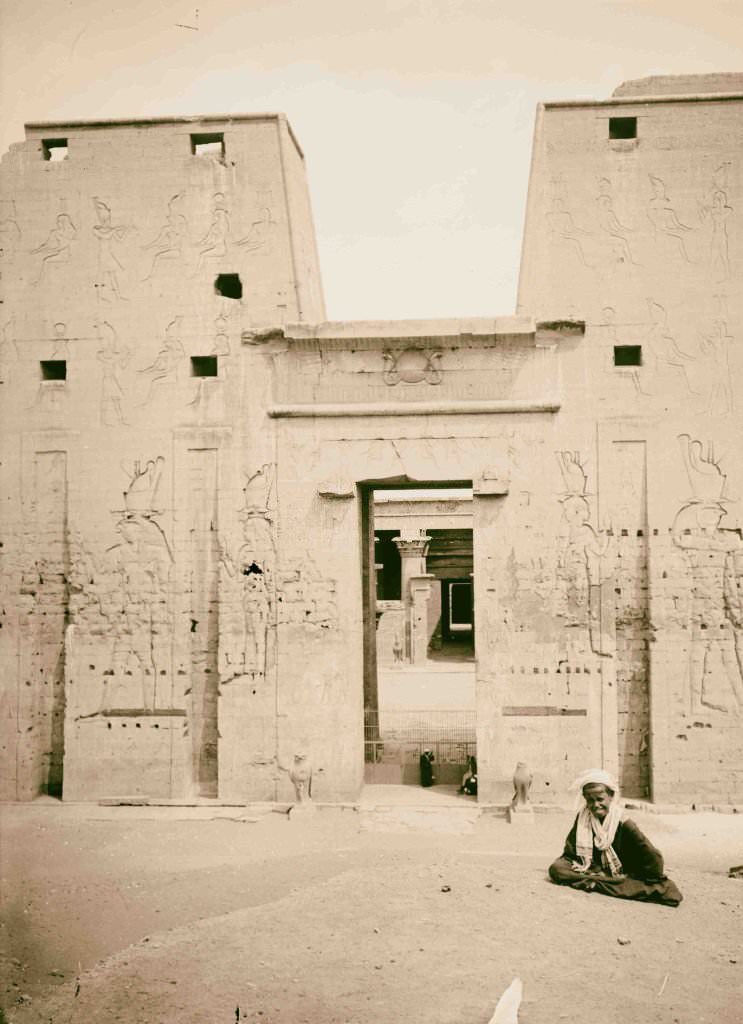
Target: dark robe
426, 766
642, 864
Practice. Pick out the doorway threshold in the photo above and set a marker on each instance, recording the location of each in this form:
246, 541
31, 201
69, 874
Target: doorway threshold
391, 795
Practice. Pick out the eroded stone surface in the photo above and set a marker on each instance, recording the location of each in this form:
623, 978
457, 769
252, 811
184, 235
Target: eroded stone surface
189, 449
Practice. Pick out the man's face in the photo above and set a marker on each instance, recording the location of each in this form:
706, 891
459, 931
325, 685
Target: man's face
598, 799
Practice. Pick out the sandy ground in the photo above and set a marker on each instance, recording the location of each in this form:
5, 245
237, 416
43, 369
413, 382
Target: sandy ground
184, 915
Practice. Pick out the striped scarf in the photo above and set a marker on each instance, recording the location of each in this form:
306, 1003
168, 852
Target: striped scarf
591, 832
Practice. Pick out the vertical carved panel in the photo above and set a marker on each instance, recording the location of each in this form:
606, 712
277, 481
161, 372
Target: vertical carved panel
203, 602
45, 598
627, 510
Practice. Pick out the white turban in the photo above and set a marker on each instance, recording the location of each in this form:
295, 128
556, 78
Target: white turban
597, 777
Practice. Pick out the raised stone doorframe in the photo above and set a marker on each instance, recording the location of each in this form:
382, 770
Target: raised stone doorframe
505, 457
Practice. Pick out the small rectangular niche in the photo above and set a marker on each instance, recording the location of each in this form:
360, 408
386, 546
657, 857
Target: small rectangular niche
208, 144
622, 127
628, 355
229, 286
54, 149
204, 366
53, 369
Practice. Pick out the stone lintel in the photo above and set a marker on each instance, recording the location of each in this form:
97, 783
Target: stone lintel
541, 710
428, 331
438, 408
142, 713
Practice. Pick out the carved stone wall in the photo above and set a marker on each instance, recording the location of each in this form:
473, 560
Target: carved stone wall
187, 450
130, 270
626, 503
43, 615
204, 620
644, 236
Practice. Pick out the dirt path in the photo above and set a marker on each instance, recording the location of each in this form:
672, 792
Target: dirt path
164, 920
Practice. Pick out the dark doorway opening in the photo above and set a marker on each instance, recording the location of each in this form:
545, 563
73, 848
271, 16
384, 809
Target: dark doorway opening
419, 668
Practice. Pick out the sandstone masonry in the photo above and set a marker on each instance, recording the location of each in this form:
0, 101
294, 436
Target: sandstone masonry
190, 451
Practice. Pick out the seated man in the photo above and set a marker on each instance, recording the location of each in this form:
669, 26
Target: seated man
607, 853
469, 779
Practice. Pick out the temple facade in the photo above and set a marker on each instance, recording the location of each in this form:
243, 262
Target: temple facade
199, 471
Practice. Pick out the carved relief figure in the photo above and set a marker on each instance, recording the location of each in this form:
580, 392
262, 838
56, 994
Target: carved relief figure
664, 219
610, 223
259, 490
164, 370
714, 369
719, 212
249, 577
10, 232
171, 238
214, 243
255, 610
262, 226
667, 362
56, 249
563, 228
733, 594
5, 348
248, 580
60, 342
109, 235
715, 209
138, 609
583, 565
412, 366
112, 358
256, 558
221, 346
609, 324
713, 555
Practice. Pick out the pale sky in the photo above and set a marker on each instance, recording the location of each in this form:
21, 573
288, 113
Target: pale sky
415, 116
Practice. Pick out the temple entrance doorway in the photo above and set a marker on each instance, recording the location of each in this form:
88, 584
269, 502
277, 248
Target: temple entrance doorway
419, 668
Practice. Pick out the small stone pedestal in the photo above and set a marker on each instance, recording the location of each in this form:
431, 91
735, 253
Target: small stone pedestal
520, 811
302, 811
520, 815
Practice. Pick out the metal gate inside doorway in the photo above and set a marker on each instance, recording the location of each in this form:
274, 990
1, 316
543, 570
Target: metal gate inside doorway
394, 740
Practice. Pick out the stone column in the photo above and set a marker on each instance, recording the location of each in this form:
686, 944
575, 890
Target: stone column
420, 593
415, 588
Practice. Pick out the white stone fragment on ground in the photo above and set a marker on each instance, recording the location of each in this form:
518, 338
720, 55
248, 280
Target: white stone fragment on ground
507, 1010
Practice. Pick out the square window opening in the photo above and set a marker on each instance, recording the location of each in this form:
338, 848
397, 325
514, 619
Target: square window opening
53, 369
628, 355
229, 286
204, 366
54, 149
208, 144
622, 127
